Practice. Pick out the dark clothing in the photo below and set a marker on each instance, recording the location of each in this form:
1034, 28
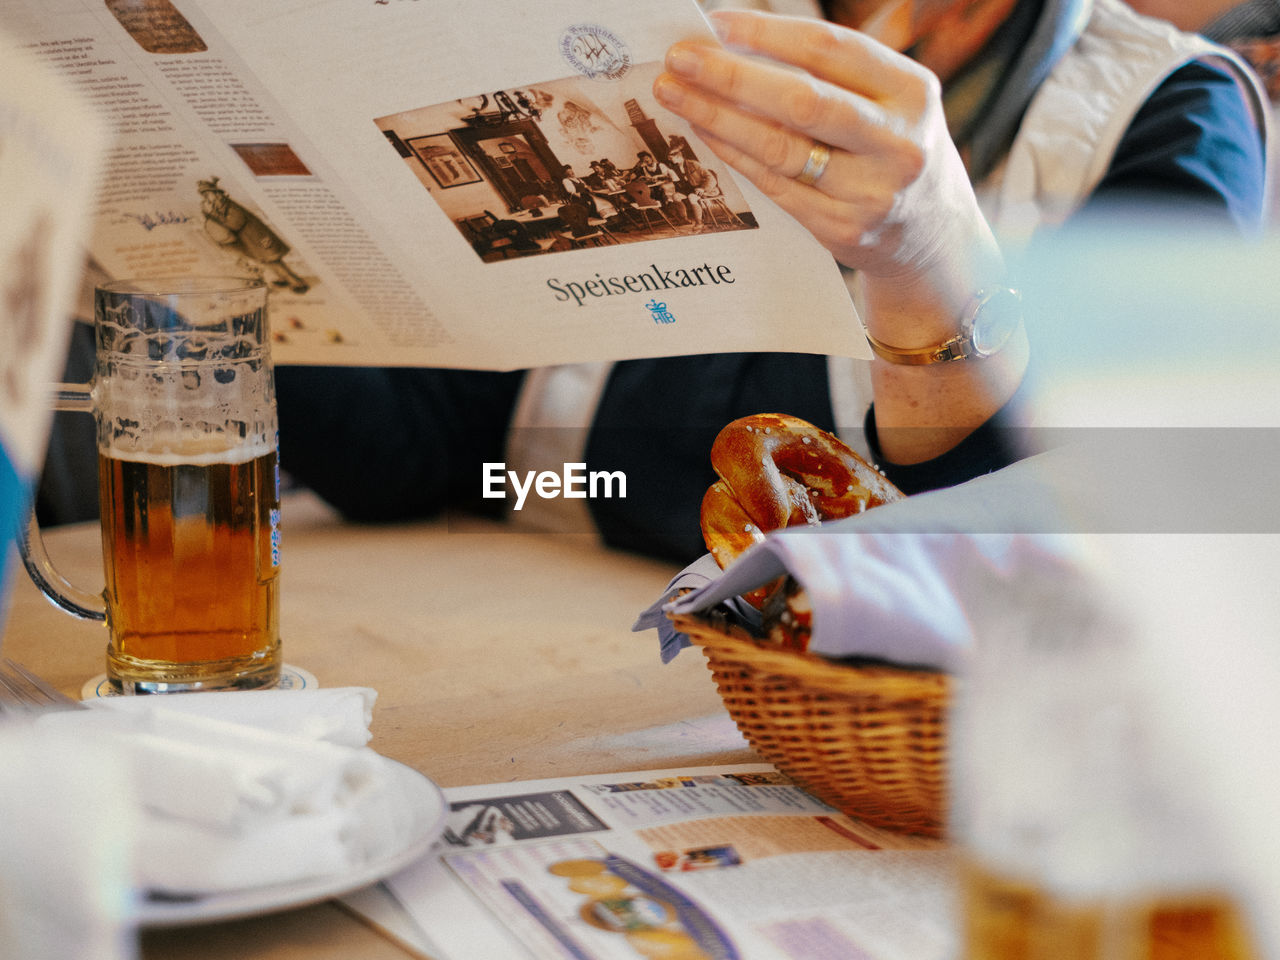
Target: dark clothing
385, 444
394, 443
1192, 149
68, 488
656, 423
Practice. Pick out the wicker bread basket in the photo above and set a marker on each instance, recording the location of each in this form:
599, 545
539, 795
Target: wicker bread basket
869, 740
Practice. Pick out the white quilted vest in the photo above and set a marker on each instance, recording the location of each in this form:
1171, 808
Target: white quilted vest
1075, 121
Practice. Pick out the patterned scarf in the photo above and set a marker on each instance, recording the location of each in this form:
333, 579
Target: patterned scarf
985, 101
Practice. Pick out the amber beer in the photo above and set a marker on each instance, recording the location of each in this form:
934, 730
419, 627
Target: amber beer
1006, 919
183, 399
191, 550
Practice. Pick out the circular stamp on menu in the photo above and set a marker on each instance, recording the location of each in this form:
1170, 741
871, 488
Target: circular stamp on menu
595, 51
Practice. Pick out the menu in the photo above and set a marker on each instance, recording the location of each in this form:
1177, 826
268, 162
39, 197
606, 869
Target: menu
410, 178
707, 862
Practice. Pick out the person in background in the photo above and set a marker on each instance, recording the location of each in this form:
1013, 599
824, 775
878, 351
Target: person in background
662, 180
575, 188
913, 139
677, 157
648, 169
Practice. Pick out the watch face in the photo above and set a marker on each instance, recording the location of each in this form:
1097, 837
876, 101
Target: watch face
998, 315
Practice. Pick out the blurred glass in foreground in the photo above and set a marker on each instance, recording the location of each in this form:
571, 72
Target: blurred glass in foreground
1084, 828
1114, 784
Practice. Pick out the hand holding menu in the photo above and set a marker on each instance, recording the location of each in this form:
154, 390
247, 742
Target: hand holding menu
438, 183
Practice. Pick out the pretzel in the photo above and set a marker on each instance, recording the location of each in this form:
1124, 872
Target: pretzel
780, 471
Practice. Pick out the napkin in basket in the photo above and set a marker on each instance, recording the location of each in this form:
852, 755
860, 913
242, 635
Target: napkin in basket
243, 789
692, 578
904, 582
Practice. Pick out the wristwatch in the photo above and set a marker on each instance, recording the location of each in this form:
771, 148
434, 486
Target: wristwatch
986, 324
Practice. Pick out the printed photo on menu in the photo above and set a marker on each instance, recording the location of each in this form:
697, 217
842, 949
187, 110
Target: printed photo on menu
484, 822
564, 165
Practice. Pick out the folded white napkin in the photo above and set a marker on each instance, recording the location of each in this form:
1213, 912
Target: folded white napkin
694, 577
227, 804
338, 715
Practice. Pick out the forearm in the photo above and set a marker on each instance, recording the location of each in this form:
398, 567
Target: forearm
1002, 440
924, 411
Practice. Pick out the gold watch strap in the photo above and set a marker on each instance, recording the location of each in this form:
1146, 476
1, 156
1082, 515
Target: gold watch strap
952, 349
1002, 308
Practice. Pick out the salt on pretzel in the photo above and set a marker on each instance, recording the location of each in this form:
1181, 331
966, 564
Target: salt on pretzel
780, 471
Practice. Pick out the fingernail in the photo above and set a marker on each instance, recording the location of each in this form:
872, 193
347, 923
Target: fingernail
668, 91
683, 60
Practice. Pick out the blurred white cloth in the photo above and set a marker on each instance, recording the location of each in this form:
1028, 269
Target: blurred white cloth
65, 849
226, 804
63, 881
1206, 665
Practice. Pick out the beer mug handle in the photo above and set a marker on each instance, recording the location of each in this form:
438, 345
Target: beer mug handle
62, 592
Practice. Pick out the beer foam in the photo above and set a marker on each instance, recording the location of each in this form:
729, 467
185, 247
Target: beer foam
189, 413
190, 454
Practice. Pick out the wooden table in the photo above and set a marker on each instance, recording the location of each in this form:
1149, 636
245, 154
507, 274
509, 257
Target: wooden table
496, 655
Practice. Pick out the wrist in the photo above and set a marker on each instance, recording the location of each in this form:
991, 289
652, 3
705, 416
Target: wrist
906, 313
926, 306
985, 326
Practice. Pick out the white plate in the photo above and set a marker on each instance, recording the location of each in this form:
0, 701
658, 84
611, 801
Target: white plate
427, 812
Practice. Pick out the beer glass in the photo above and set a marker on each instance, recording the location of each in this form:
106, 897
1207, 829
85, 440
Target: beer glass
1076, 836
188, 484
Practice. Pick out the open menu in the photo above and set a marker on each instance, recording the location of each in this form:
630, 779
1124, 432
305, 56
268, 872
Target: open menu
707, 862
435, 182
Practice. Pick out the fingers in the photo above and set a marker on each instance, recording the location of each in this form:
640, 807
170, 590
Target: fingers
781, 149
863, 142
846, 58
770, 110
791, 87
837, 223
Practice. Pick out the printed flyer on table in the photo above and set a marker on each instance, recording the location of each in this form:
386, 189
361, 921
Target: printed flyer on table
710, 862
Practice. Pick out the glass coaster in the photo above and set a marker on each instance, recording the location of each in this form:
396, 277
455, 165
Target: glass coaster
291, 678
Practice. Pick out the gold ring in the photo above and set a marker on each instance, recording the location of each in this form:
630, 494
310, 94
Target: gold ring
816, 165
